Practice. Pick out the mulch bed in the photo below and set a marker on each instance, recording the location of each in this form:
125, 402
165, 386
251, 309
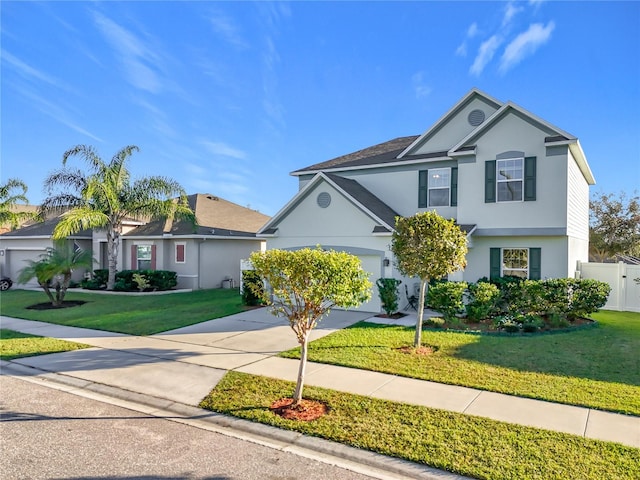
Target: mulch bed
410, 350
394, 316
49, 306
305, 411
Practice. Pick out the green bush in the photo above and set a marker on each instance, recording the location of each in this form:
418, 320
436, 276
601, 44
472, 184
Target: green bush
482, 301
252, 288
446, 298
388, 292
125, 282
588, 296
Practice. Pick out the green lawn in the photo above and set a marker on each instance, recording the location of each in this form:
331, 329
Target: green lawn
17, 345
463, 444
597, 367
131, 314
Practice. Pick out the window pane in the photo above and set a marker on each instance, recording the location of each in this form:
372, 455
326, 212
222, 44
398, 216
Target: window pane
509, 191
144, 264
439, 177
180, 253
510, 169
515, 273
439, 197
144, 252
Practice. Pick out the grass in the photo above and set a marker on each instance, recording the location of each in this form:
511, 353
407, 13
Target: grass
130, 314
463, 444
597, 368
17, 345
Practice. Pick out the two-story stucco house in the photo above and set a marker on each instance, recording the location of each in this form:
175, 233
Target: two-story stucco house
516, 184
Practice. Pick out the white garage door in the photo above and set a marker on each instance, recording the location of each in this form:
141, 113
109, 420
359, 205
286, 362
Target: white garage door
373, 265
16, 262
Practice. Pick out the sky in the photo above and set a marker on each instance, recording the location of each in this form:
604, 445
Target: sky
228, 98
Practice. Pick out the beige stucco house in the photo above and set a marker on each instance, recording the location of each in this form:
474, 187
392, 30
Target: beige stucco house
516, 184
207, 257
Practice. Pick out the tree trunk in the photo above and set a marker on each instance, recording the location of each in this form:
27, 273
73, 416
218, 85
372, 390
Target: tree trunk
113, 242
418, 338
45, 287
297, 396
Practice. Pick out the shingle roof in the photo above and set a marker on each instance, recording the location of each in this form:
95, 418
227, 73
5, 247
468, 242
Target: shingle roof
44, 229
363, 196
378, 154
215, 216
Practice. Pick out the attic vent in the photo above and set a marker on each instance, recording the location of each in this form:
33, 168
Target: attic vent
324, 199
211, 197
475, 118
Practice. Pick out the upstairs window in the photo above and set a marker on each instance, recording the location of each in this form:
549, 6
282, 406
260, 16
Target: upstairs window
509, 179
438, 187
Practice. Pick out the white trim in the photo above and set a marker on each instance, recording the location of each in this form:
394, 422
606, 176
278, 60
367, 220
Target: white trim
397, 162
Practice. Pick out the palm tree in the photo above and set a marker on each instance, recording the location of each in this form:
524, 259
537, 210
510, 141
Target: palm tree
54, 269
105, 197
8, 202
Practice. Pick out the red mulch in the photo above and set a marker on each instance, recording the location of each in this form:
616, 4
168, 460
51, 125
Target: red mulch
427, 350
305, 411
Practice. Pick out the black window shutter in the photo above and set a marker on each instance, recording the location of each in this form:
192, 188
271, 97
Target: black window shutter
454, 186
489, 181
494, 263
529, 179
422, 188
535, 263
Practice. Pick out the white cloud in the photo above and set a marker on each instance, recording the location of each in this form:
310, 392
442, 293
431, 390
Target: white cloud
510, 11
472, 31
525, 44
420, 87
485, 53
226, 28
140, 62
220, 148
28, 71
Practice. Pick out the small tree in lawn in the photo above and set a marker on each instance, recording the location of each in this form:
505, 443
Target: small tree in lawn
427, 246
54, 269
306, 284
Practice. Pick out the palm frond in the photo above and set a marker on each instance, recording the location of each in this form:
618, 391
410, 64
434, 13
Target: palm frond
12, 184
87, 153
60, 203
78, 219
67, 178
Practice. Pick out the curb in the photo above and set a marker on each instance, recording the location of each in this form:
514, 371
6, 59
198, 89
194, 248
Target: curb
361, 461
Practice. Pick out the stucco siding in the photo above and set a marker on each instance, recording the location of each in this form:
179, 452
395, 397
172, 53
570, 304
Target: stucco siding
513, 133
456, 128
220, 260
554, 255
577, 202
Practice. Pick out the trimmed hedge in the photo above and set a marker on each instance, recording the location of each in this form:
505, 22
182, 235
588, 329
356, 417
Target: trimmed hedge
252, 288
158, 280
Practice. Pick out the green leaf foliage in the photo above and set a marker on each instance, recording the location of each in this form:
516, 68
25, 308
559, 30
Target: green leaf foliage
428, 246
446, 298
388, 292
307, 283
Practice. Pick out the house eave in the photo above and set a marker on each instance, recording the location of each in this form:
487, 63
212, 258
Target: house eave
399, 162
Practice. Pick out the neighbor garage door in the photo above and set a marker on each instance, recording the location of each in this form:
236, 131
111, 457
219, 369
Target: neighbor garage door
16, 261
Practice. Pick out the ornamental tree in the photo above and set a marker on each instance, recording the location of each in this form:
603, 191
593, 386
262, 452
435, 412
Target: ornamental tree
305, 284
427, 246
614, 226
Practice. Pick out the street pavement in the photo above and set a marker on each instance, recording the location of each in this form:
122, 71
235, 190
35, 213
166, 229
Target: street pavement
47, 433
180, 367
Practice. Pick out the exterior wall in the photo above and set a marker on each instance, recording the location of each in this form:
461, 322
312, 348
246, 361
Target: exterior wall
340, 226
189, 270
554, 257
455, 129
577, 202
578, 253
513, 133
18, 249
220, 260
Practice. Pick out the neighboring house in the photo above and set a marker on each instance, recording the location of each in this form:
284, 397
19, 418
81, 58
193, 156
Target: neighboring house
30, 242
203, 258
208, 257
517, 185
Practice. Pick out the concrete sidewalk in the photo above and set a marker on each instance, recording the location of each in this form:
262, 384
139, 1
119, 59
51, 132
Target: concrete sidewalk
184, 365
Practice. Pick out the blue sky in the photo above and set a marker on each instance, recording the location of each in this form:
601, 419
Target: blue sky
229, 97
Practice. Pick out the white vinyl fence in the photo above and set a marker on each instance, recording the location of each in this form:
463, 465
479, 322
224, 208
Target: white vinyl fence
625, 292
